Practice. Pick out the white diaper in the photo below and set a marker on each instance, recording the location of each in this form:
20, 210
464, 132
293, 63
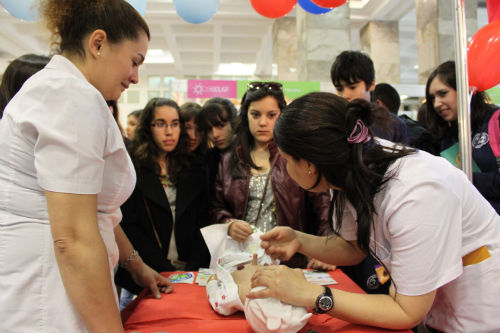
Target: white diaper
219, 243
267, 315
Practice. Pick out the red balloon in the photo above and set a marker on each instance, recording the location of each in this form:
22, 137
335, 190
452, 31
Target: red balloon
329, 3
493, 7
274, 8
483, 57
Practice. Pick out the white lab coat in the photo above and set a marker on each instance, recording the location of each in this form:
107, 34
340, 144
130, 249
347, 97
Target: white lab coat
428, 217
57, 134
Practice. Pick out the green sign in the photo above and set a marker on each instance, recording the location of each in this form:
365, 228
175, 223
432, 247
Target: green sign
494, 94
292, 89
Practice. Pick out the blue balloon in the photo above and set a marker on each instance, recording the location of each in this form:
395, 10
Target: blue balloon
196, 11
312, 8
139, 5
21, 9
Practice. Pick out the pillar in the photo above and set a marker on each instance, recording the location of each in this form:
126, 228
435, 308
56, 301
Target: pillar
285, 48
380, 40
320, 39
436, 33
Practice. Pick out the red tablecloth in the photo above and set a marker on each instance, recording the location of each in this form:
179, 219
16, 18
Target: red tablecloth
187, 309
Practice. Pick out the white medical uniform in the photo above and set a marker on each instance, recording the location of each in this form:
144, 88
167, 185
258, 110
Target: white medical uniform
57, 134
428, 217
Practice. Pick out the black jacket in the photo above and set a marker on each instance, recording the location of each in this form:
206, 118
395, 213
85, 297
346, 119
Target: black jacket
420, 137
190, 216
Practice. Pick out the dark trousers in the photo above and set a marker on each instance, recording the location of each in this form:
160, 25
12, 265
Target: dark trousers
365, 277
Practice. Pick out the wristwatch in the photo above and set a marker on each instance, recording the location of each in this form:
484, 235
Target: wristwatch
324, 302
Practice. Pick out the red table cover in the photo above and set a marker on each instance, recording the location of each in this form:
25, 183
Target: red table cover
187, 309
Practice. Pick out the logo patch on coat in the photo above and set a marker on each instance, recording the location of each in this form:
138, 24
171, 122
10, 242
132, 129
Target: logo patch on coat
480, 139
372, 282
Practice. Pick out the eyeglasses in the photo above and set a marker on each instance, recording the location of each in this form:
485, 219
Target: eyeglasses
160, 124
253, 86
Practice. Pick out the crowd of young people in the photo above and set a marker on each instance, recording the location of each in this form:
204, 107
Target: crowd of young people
358, 162
330, 181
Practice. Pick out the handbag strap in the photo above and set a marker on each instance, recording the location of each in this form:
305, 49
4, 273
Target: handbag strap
150, 217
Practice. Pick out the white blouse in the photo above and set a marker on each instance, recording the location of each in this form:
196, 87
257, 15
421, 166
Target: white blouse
428, 217
57, 134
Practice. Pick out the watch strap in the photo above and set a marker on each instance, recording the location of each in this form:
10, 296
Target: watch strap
327, 294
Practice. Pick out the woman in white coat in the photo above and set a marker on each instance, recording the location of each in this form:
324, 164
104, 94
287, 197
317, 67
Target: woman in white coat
436, 238
65, 173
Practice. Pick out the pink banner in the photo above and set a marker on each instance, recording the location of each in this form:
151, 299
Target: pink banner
211, 88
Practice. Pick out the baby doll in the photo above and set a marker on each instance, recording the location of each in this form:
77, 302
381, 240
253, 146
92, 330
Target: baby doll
227, 289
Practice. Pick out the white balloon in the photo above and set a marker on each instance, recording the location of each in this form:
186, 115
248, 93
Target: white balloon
196, 11
139, 5
25, 10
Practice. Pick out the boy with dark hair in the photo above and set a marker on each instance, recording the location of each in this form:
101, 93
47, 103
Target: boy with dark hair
419, 137
353, 75
385, 95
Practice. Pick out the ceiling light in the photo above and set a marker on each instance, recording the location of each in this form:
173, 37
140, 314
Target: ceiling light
158, 56
235, 69
358, 4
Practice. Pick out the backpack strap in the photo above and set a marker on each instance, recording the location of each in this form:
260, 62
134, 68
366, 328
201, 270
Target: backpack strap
494, 135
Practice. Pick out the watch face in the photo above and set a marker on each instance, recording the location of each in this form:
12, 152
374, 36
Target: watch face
325, 303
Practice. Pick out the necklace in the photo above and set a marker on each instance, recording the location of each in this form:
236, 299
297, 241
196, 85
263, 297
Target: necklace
261, 159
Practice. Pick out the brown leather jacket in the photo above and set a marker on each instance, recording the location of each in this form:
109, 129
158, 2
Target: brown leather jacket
295, 207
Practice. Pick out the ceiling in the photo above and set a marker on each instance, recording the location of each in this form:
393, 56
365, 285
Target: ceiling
236, 34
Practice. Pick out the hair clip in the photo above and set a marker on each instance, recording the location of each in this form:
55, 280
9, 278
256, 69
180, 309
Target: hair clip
359, 133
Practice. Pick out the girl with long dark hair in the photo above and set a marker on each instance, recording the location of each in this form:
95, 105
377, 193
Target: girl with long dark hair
441, 118
434, 235
164, 214
253, 188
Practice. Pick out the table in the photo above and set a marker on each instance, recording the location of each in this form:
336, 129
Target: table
187, 309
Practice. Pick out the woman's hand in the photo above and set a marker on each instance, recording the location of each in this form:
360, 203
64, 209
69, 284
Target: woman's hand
320, 266
286, 284
281, 243
239, 230
147, 277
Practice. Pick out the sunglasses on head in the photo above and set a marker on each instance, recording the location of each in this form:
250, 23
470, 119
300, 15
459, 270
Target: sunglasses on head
253, 86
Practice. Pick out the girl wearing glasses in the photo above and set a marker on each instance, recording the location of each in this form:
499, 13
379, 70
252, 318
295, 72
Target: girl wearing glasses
164, 214
253, 188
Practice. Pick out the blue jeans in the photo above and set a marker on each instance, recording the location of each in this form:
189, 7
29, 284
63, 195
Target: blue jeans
126, 297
